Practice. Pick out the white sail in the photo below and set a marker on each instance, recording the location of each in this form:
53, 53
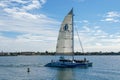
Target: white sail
65, 42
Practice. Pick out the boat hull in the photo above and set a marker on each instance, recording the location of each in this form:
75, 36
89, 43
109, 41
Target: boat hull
69, 64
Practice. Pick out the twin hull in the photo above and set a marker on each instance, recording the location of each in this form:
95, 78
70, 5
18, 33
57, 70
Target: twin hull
68, 64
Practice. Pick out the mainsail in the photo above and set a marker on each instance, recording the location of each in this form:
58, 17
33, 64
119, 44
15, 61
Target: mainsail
65, 42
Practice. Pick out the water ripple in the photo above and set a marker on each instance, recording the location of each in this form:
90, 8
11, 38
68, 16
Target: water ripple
21, 65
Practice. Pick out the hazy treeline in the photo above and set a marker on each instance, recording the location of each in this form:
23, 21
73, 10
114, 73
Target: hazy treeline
53, 53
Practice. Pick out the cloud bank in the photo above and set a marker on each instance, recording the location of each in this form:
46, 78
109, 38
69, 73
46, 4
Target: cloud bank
37, 32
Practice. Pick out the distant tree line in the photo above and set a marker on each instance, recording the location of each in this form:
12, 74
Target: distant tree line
97, 53
53, 53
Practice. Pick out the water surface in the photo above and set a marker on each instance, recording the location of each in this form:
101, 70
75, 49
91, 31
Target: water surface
15, 68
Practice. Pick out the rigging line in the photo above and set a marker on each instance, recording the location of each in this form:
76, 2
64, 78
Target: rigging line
79, 39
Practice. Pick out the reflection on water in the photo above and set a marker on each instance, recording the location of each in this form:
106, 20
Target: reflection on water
65, 74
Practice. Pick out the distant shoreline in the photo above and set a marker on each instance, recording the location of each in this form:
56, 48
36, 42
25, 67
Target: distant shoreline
53, 53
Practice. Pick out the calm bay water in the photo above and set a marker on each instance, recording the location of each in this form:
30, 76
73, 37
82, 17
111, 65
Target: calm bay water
15, 68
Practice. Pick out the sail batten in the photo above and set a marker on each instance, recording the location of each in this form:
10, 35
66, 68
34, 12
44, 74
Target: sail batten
65, 38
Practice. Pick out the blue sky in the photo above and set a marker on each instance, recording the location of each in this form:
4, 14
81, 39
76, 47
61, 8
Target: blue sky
33, 25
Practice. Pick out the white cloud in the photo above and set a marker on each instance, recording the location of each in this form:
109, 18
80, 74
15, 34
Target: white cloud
85, 21
2, 5
112, 16
1, 23
20, 1
98, 44
43, 1
111, 20
29, 42
38, 31
19, 14
97, 27
87, 29
82, 21
95, 39
33, 5
17, 11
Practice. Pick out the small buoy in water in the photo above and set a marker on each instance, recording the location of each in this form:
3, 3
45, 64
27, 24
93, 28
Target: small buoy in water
28, 69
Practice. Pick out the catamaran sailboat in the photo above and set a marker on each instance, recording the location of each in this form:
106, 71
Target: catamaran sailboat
65, 46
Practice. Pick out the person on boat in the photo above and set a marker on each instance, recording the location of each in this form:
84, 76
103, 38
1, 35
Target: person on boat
51, 60
85, 60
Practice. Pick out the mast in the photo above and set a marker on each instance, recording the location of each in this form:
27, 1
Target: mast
72, 33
